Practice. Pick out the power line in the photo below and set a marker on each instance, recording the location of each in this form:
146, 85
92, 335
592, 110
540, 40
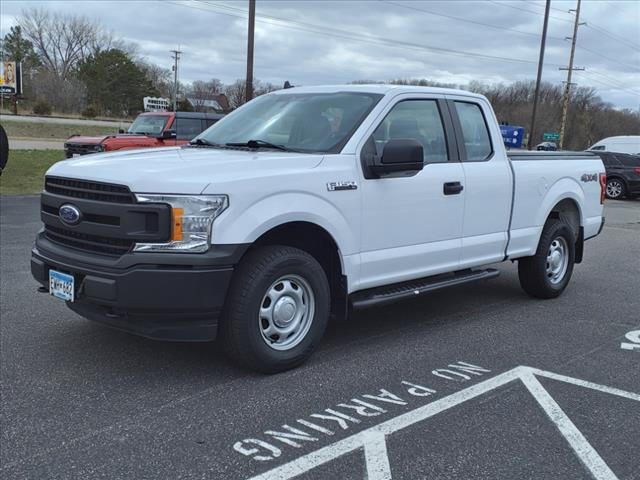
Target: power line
612, 36
636, 67
461, 19
376, 40
332, 32
529, 11
607, 84
589, 24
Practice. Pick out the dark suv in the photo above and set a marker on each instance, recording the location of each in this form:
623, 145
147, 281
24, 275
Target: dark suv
623, 174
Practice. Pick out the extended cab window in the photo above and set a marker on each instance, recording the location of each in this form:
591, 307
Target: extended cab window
187, 128
475, 132
418, 120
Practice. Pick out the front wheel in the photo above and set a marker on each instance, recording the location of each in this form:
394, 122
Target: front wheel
615, 189
277, 309
547, 273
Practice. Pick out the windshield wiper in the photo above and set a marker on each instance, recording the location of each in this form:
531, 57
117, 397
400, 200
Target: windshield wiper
259, 144
202, 141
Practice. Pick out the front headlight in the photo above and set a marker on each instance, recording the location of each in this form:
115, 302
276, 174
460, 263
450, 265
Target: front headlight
192, 218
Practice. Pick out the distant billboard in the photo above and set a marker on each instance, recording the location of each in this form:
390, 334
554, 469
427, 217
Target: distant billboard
10, 78
155, 104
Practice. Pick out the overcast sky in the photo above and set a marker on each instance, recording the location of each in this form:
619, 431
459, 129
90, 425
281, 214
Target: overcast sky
320, 42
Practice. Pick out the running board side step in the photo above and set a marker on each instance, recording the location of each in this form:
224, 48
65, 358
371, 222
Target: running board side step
402, 291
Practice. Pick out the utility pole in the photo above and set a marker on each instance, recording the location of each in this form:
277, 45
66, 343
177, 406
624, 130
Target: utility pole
249, 79
567, 88
176, 57
538, 79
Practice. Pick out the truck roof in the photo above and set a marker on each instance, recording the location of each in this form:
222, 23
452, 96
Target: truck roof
382, 89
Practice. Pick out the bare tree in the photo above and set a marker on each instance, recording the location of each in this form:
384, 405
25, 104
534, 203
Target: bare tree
201, 91
61, 41
236, 95
160, 77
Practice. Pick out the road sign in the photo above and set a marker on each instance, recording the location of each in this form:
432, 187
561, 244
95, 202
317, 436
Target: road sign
512, 136
551, 136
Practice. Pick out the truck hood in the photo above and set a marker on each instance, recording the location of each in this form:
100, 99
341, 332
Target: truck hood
181, 170
79, 139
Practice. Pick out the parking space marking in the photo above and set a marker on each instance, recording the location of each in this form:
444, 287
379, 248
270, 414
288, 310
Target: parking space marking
582, 448
634, 338
373, 439
376, 457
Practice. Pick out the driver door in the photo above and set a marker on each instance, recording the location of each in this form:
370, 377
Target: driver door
412, 225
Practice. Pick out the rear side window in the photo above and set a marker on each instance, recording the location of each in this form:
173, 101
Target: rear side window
475, 132
187, 128
629, 160
418, 120
599, 147
610, 160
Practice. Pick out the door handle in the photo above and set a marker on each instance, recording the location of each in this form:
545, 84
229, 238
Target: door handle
452, 188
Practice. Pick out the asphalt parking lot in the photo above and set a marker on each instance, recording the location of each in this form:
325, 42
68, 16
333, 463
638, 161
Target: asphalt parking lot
474, 382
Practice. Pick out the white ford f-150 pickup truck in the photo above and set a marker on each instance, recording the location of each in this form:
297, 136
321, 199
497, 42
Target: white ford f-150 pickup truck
302, 205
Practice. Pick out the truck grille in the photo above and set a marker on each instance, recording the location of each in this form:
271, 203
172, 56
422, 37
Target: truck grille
72, 149
91, 243
103, 192
111, 221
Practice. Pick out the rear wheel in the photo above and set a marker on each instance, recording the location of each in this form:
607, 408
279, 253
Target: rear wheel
547, 273
615, 188
277, 309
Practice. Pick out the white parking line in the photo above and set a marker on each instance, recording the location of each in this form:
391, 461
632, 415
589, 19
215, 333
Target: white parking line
373, 439
376, 457
585, 452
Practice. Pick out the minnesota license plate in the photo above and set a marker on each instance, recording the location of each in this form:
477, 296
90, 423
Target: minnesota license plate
61, 285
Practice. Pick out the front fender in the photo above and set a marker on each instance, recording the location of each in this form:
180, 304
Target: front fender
246, 224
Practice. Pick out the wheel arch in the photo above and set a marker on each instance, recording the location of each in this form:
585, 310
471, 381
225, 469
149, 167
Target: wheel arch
321, 245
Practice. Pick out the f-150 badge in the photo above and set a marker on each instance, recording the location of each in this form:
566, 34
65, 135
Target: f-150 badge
337, 186
589, 177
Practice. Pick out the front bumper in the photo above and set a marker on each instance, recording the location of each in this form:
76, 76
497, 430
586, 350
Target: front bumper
167, 300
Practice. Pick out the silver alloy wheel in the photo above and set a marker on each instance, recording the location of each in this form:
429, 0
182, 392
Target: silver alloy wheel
614, 188
286, 312
557, 260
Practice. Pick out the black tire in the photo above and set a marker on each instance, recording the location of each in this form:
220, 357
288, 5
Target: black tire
533, 271
4, 149
241, 327
615, 189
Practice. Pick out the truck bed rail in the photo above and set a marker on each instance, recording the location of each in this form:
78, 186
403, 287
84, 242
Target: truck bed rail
545, 155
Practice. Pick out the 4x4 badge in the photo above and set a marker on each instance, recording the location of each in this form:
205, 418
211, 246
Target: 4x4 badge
589, 177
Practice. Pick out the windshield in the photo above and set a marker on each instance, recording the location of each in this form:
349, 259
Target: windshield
149, 124
308, 122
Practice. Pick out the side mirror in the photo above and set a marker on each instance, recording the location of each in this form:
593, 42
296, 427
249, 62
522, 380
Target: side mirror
121, 130
168, 134
400, 157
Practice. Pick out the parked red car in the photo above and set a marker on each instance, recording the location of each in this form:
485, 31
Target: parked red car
149, 130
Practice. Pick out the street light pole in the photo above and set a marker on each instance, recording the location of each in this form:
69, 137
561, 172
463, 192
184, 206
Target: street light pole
249, 79
539, 78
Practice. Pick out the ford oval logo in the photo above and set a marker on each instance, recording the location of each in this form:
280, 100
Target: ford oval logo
70, 214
